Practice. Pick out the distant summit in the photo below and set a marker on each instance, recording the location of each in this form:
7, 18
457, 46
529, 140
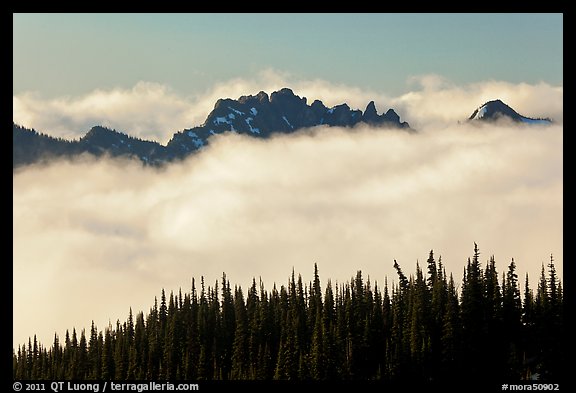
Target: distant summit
283, 112
258, 116
497, 110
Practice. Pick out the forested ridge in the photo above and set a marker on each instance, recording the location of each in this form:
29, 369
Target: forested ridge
419, 327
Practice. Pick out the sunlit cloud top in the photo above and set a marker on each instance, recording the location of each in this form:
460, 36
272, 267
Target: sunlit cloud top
113, 233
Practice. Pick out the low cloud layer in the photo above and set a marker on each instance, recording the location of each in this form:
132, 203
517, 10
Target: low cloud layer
154, 111
94, 238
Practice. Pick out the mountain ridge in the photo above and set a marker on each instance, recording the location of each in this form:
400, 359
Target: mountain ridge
259, 116
281, 112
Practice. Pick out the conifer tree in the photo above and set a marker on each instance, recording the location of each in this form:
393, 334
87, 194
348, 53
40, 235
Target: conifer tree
256, 315
82, 356
451, 332
240, 362
494, 344
332, 359
153, 339
108, 371
512, 319
318, 358
94, 354
472, 315
228, 322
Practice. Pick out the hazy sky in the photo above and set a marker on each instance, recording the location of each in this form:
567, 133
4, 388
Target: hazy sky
94, 238
72, 54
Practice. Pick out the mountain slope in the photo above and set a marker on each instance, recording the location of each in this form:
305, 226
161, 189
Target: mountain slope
496, 110
29, 146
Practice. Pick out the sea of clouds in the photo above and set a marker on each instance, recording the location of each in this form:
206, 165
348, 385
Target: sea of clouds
94, 238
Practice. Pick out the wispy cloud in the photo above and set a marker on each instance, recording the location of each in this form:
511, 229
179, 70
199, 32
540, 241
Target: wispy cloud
148, 110
154, 111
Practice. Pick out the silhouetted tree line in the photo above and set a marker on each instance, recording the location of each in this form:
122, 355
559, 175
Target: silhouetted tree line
421, 328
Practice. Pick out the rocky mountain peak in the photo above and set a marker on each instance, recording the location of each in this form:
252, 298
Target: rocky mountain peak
497, 110
370, 114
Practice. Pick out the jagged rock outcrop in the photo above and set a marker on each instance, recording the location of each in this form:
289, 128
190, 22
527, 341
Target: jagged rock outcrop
283, 112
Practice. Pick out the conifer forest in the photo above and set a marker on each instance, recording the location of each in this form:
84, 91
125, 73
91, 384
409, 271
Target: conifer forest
419, 327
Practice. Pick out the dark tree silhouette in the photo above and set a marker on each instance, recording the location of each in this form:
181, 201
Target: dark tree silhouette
419, 329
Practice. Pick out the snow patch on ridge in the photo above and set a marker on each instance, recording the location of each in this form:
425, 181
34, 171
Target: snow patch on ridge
287, 122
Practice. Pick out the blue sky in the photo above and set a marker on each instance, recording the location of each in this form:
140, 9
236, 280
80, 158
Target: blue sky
72, 54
